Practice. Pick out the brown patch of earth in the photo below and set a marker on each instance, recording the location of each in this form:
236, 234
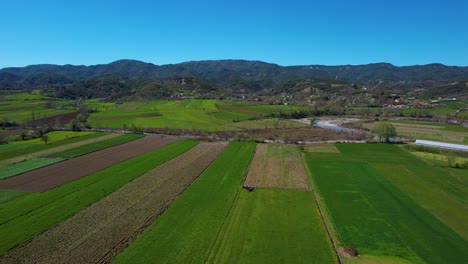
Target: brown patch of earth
349, 252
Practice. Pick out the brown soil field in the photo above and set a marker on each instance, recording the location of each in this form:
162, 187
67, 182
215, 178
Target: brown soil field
277, 166
57, 174
98, 233
56, 149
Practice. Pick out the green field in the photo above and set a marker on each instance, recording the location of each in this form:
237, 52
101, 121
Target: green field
371, 203
16, 149
273, 226
25, 166
427, 130
188, 229
6, 195
210, 115
26, 110
56, 136
24, 217
82, 150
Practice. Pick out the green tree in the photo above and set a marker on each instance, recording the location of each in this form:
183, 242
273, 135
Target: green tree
385, 131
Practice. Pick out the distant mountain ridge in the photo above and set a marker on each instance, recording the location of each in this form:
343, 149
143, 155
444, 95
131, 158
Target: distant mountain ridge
253, 70
236, 76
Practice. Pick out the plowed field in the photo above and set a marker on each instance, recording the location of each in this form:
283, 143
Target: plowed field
277, 166
55, 175
98, 233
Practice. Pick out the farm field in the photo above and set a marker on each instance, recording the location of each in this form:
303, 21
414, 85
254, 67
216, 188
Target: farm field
207, 115
22, 111
30, 163
187, 230
277, 166
427, 130
13, 152
25, 166
104, 142
6, 195
102, 230
31, 214
369, 197
55, 175
273, 226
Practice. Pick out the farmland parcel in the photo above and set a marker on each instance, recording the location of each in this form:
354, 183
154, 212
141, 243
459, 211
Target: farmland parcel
55, 175
188, 229
379, 218
102, 230
25, 217
277, 166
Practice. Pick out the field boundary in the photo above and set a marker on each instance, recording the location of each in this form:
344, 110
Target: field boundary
325, 216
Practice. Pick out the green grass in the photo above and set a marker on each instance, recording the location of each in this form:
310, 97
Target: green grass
82, 150
273, 226
56, 136
22, 110
25, 166
371, 214
25, 96
14, 150
187, 230
23, 218
209, 115
7, 195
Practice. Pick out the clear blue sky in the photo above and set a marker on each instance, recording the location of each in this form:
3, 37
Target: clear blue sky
292, 32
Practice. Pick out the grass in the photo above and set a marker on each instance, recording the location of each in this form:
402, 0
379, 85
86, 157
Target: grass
7, 195
23, 110
23, 218
187, 230
25, 166
209, 115
14, 150
82, 150
327, 148
56, 136
429, 131
377, 217
273, 226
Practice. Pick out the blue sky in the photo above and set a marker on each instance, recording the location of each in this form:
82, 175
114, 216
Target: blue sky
284, 32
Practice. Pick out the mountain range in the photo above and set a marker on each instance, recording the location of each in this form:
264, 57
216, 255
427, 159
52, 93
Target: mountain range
234, 75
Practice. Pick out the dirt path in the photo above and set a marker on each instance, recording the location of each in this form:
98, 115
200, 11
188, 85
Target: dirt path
56, 149
98, 233
60, 173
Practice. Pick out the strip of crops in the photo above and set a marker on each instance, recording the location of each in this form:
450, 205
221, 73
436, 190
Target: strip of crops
272, 226
372, 215
188, 229
277, 166
82, 150
27, 216
22, 149
29, 165
6, 195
